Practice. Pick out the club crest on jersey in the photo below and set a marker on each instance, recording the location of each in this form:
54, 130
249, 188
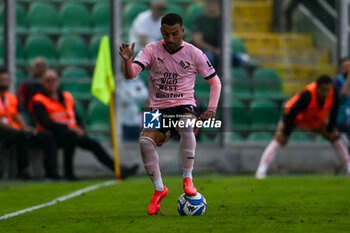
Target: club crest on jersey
151, 120
184, 64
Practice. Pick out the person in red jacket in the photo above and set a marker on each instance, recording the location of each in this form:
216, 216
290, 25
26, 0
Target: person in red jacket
54, 111
315, 109
14, 132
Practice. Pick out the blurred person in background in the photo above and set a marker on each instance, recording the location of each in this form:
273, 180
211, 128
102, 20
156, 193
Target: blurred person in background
206, 35
315, 108
14, 132
31, 86
132, 92
54, 111
146, 27
342, 84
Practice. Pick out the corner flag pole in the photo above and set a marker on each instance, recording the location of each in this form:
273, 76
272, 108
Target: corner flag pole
103, 86
117, 171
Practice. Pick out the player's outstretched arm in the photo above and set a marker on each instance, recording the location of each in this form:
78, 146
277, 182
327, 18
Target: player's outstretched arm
126, 52
215, 89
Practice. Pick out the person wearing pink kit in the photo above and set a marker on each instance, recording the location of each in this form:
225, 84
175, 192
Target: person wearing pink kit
173, 65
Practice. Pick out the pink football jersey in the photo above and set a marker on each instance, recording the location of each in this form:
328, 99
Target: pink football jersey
172, 75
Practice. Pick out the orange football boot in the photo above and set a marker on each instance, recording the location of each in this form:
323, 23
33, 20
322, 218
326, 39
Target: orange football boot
154, 205
189, 188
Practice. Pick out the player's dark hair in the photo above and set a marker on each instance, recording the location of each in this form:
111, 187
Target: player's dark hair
324, 79
341, 60
3, 70
172, 19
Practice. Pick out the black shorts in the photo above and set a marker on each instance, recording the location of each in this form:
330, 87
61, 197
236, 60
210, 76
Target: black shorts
176, 112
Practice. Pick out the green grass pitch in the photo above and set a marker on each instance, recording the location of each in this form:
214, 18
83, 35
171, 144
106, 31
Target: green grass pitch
235, 204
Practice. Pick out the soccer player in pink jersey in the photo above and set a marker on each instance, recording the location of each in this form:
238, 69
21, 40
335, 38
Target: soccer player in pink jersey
173, 65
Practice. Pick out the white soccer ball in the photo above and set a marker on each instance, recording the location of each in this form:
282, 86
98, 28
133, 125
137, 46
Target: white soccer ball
191, 205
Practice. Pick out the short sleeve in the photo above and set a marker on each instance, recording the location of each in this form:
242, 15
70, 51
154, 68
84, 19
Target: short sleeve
203, 65
144, 57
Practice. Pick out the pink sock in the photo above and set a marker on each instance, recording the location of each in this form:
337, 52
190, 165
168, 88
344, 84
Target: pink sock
268, 155
187, 149
342, 152
151, 161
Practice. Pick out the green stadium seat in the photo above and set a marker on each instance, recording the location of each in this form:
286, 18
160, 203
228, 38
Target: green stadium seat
267, 84
19, 52
2, 19
20, 75
235, 137
100, 137
77, 81
21, 26
40, 45
80, 91
75, 18
241, 84
130, 12
125, 34
173, 8
74, 72
238, 45
98, 116
80, 111
240, 116
94, 46
210, 137
321, 139
264, 115
144, 75
101, 17
42, 18
299, 137
260, 137
21, 19
202, 89
192, 13
72, 50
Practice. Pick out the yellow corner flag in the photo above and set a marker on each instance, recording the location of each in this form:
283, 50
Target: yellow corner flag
103, 87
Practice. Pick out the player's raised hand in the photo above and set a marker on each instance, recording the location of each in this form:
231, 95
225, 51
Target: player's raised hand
207, 115
126, 52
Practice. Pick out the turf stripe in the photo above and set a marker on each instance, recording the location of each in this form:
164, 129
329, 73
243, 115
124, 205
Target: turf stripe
60, 199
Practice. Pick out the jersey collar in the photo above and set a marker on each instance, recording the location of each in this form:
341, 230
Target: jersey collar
175, 51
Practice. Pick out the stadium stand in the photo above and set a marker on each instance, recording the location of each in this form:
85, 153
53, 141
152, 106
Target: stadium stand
240, 118
43, 18
40, 45
72, 50
264, 115
74, 18
100, 15
98, 116
252, 23
130, 11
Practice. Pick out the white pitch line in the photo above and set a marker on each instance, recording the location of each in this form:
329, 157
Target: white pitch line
59, 199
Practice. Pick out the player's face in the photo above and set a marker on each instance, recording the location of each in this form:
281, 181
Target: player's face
51, 82
323, 91
172, 36
345, 67
4, 81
